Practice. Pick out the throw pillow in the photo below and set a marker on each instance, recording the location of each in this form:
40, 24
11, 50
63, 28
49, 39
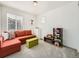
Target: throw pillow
11, 35
5, 35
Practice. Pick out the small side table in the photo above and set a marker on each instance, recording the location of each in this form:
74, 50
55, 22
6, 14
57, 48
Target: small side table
50, 40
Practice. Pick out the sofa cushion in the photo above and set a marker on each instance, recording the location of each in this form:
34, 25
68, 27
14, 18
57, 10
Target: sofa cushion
24, 38
20, 33
28, 32
29, 36
23, 33
9, 43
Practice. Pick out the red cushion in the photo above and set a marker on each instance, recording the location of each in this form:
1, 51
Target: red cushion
24, 38
10, 42
23, 33
28, 32
20, 33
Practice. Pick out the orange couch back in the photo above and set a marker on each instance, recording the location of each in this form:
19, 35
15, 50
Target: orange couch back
23, 33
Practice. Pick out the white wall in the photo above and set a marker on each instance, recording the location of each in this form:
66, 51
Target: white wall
66, 17
26, 17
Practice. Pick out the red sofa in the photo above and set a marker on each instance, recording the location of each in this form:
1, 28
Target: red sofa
9, 47
13, 45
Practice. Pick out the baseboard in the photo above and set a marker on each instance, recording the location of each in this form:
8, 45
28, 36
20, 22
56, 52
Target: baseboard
71, 48
40, 38
78, 50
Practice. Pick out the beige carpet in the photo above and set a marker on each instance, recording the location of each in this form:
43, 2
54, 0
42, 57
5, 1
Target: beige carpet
44, 50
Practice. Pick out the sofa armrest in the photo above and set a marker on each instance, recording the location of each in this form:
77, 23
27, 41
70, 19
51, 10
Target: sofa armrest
1, 40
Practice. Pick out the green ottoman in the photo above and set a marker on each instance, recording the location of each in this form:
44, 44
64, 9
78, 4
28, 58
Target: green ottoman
31, 42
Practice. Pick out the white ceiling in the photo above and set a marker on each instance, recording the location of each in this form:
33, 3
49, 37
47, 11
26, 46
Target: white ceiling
28, 6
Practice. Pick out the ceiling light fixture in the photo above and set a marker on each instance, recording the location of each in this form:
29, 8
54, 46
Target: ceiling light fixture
35, 3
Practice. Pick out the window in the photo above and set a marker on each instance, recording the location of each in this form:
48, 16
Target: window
11, 23
14, 22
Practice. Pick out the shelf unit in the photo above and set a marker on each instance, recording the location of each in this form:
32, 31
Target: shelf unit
58, 36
